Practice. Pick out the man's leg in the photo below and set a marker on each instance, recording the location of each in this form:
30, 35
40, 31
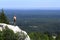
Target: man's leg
14, 23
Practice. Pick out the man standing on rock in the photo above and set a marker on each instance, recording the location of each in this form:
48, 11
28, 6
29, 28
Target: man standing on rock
14, 20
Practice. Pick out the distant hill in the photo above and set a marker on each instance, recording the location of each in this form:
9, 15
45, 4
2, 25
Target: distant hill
33, 13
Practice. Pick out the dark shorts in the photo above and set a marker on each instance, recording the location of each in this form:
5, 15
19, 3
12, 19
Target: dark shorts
14, 20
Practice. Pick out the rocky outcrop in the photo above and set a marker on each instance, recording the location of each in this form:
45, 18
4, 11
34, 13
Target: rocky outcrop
15, 29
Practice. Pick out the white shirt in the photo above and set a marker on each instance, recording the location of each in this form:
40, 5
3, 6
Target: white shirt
15, 17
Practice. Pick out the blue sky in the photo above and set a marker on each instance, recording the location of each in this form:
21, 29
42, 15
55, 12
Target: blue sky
30, 4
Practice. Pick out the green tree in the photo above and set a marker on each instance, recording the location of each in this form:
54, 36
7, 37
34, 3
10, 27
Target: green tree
35, 36
1, 35
3, 17
21, 36
38, 36
8, 34
44, 37
58, 37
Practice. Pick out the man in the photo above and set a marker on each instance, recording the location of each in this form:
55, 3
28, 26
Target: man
14, 20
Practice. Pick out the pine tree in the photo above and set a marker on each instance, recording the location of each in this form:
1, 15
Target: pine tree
3, 18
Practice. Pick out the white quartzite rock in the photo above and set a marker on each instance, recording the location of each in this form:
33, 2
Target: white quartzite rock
14, 28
